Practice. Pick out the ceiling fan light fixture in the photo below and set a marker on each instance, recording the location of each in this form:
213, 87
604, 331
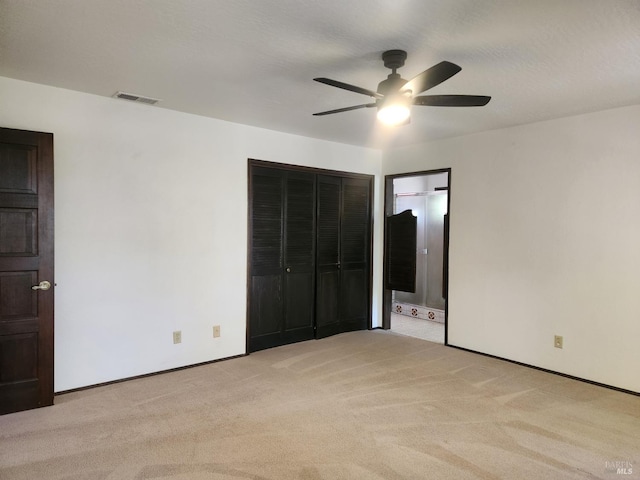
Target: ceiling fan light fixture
395, 110
395, 96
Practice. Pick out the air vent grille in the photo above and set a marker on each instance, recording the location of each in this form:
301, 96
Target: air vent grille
136, 98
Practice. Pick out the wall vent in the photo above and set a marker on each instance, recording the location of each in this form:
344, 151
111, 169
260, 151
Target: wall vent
136, 98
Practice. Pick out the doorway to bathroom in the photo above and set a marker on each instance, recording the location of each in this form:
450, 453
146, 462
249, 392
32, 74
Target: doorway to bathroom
416, 254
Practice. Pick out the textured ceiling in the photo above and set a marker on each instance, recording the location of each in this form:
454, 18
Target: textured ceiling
253, 61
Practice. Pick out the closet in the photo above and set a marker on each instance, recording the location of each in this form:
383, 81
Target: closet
309, 253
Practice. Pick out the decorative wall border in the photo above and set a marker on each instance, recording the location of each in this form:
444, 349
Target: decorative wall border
418, 311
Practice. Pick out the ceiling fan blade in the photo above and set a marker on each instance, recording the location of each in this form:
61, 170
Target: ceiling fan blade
346, 86
346, 109
431, 77
452, 100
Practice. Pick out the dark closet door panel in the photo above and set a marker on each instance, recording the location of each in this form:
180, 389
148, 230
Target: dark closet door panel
328, 259
327, 311
355, 239
300, 219
283, 210
299, 302
299, 256
354, 299
328, 224
266, 291
266, 305
266, 220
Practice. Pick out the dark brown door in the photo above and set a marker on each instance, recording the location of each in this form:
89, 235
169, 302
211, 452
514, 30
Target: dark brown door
26, 261
344, 252
328, 247
355, 254
299, 256
282, 260
400, 252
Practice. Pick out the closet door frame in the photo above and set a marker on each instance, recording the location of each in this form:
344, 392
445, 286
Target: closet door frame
251, 163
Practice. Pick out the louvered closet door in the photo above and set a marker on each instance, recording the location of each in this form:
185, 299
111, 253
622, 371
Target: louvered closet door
282, 265
355, 253
343, 262
266, 289
299, 256
328, 259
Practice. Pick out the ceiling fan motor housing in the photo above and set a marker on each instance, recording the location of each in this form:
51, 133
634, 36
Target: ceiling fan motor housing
392, 84
394, 59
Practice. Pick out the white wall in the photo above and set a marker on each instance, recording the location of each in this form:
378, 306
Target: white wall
420, 184
151, 227
545, 240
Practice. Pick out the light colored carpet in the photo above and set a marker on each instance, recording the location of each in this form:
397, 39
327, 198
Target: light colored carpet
363, 405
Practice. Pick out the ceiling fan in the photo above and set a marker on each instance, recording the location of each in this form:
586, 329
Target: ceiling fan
395, 95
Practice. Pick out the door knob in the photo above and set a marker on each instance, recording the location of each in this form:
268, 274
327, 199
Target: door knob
44, 285
288, 269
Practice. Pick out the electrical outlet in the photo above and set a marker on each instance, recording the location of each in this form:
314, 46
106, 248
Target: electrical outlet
177, 337
557, 341
216, 331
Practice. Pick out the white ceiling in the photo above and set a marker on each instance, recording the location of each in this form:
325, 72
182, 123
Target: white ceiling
253, 61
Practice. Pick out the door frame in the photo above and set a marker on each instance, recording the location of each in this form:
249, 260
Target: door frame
251, 163
388, 210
